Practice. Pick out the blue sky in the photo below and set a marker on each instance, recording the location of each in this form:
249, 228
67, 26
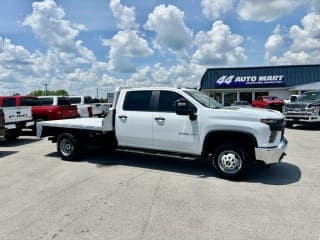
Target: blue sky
81, 45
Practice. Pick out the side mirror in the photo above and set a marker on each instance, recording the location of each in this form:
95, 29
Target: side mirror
183, 107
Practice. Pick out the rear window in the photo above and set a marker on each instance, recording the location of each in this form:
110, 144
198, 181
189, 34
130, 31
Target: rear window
63, 101
138, 101
87, 100
75, 100
9, 102
44, 101
28, 101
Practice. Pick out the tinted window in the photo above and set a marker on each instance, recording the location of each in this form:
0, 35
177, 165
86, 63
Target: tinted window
63, 101
9, 102
87, 100
28, 101
137, 101
75, 100
310, 96
95, 100
44, 101
167, 101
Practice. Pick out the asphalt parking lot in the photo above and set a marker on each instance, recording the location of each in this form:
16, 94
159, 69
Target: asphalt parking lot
125, 196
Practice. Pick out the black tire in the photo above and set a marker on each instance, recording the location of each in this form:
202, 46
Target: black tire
68, 147
11, 137
231, 160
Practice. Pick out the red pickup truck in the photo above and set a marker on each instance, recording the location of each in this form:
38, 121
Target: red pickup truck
270, 102
53, 108
44, 108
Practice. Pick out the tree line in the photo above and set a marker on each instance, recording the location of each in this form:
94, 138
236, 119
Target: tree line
59, 92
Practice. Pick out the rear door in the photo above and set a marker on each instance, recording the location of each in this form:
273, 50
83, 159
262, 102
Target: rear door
66, 110
133, 121
172, 132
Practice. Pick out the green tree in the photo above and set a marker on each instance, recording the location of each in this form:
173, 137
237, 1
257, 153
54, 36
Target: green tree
59, 92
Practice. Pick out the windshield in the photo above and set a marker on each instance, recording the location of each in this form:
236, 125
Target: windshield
203, 99
310, 96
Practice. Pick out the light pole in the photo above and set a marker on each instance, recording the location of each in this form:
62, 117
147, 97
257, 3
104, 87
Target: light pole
46, 87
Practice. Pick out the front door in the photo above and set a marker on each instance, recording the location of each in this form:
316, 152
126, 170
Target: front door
172, 132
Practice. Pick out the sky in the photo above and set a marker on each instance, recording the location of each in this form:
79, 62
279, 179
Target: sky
82, 46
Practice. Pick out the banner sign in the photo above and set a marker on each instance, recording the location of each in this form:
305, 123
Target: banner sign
233, 81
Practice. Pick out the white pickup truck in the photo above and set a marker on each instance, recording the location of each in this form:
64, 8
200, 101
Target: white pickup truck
16, 118
183, 122
84, 103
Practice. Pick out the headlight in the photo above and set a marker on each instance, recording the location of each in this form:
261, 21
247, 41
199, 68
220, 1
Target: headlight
274, 124
313, 109
270, 121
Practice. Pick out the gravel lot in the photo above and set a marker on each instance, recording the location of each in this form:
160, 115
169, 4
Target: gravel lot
122, 196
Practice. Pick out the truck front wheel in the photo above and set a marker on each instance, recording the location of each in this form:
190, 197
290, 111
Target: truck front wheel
230, 160
68, 146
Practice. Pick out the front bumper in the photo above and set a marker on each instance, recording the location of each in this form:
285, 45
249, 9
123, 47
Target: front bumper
272, 155
302, 118
19, 125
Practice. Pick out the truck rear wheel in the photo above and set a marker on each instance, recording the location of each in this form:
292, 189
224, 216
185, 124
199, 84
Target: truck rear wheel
230, 160
68, 146
12, 135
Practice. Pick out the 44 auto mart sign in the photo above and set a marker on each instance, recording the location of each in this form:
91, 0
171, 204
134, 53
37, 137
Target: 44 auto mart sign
246, 81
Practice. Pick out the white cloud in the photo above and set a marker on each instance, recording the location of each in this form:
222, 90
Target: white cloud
168, 24
65, 64
274, 43
124, 46
304, 43
125, 16
267, 11
128, 42
315, 4
219, 46
214, 9
49, 25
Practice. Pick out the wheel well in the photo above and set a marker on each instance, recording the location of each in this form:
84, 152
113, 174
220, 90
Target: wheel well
215, 138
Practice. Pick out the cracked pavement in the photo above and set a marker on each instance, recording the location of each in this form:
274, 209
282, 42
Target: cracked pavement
131, 196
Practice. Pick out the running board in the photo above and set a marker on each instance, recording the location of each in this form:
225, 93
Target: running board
160, 154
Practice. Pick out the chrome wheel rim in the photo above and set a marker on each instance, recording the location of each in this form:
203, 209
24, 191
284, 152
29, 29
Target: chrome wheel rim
66, 147
229, 162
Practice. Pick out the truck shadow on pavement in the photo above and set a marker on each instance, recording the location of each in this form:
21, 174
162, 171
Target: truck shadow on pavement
278, 174
7, 153
18, 142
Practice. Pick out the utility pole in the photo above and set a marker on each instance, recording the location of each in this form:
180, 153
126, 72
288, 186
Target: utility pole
46, 86
97, 92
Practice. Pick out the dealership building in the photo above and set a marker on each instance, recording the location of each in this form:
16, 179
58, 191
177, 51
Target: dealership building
247, 83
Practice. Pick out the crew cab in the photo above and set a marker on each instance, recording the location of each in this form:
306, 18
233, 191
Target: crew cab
306, 109
17, 115
87, 106
183, 122
53, 108
270, 102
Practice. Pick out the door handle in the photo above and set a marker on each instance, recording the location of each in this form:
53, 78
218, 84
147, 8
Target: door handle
122, 117
159, 118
